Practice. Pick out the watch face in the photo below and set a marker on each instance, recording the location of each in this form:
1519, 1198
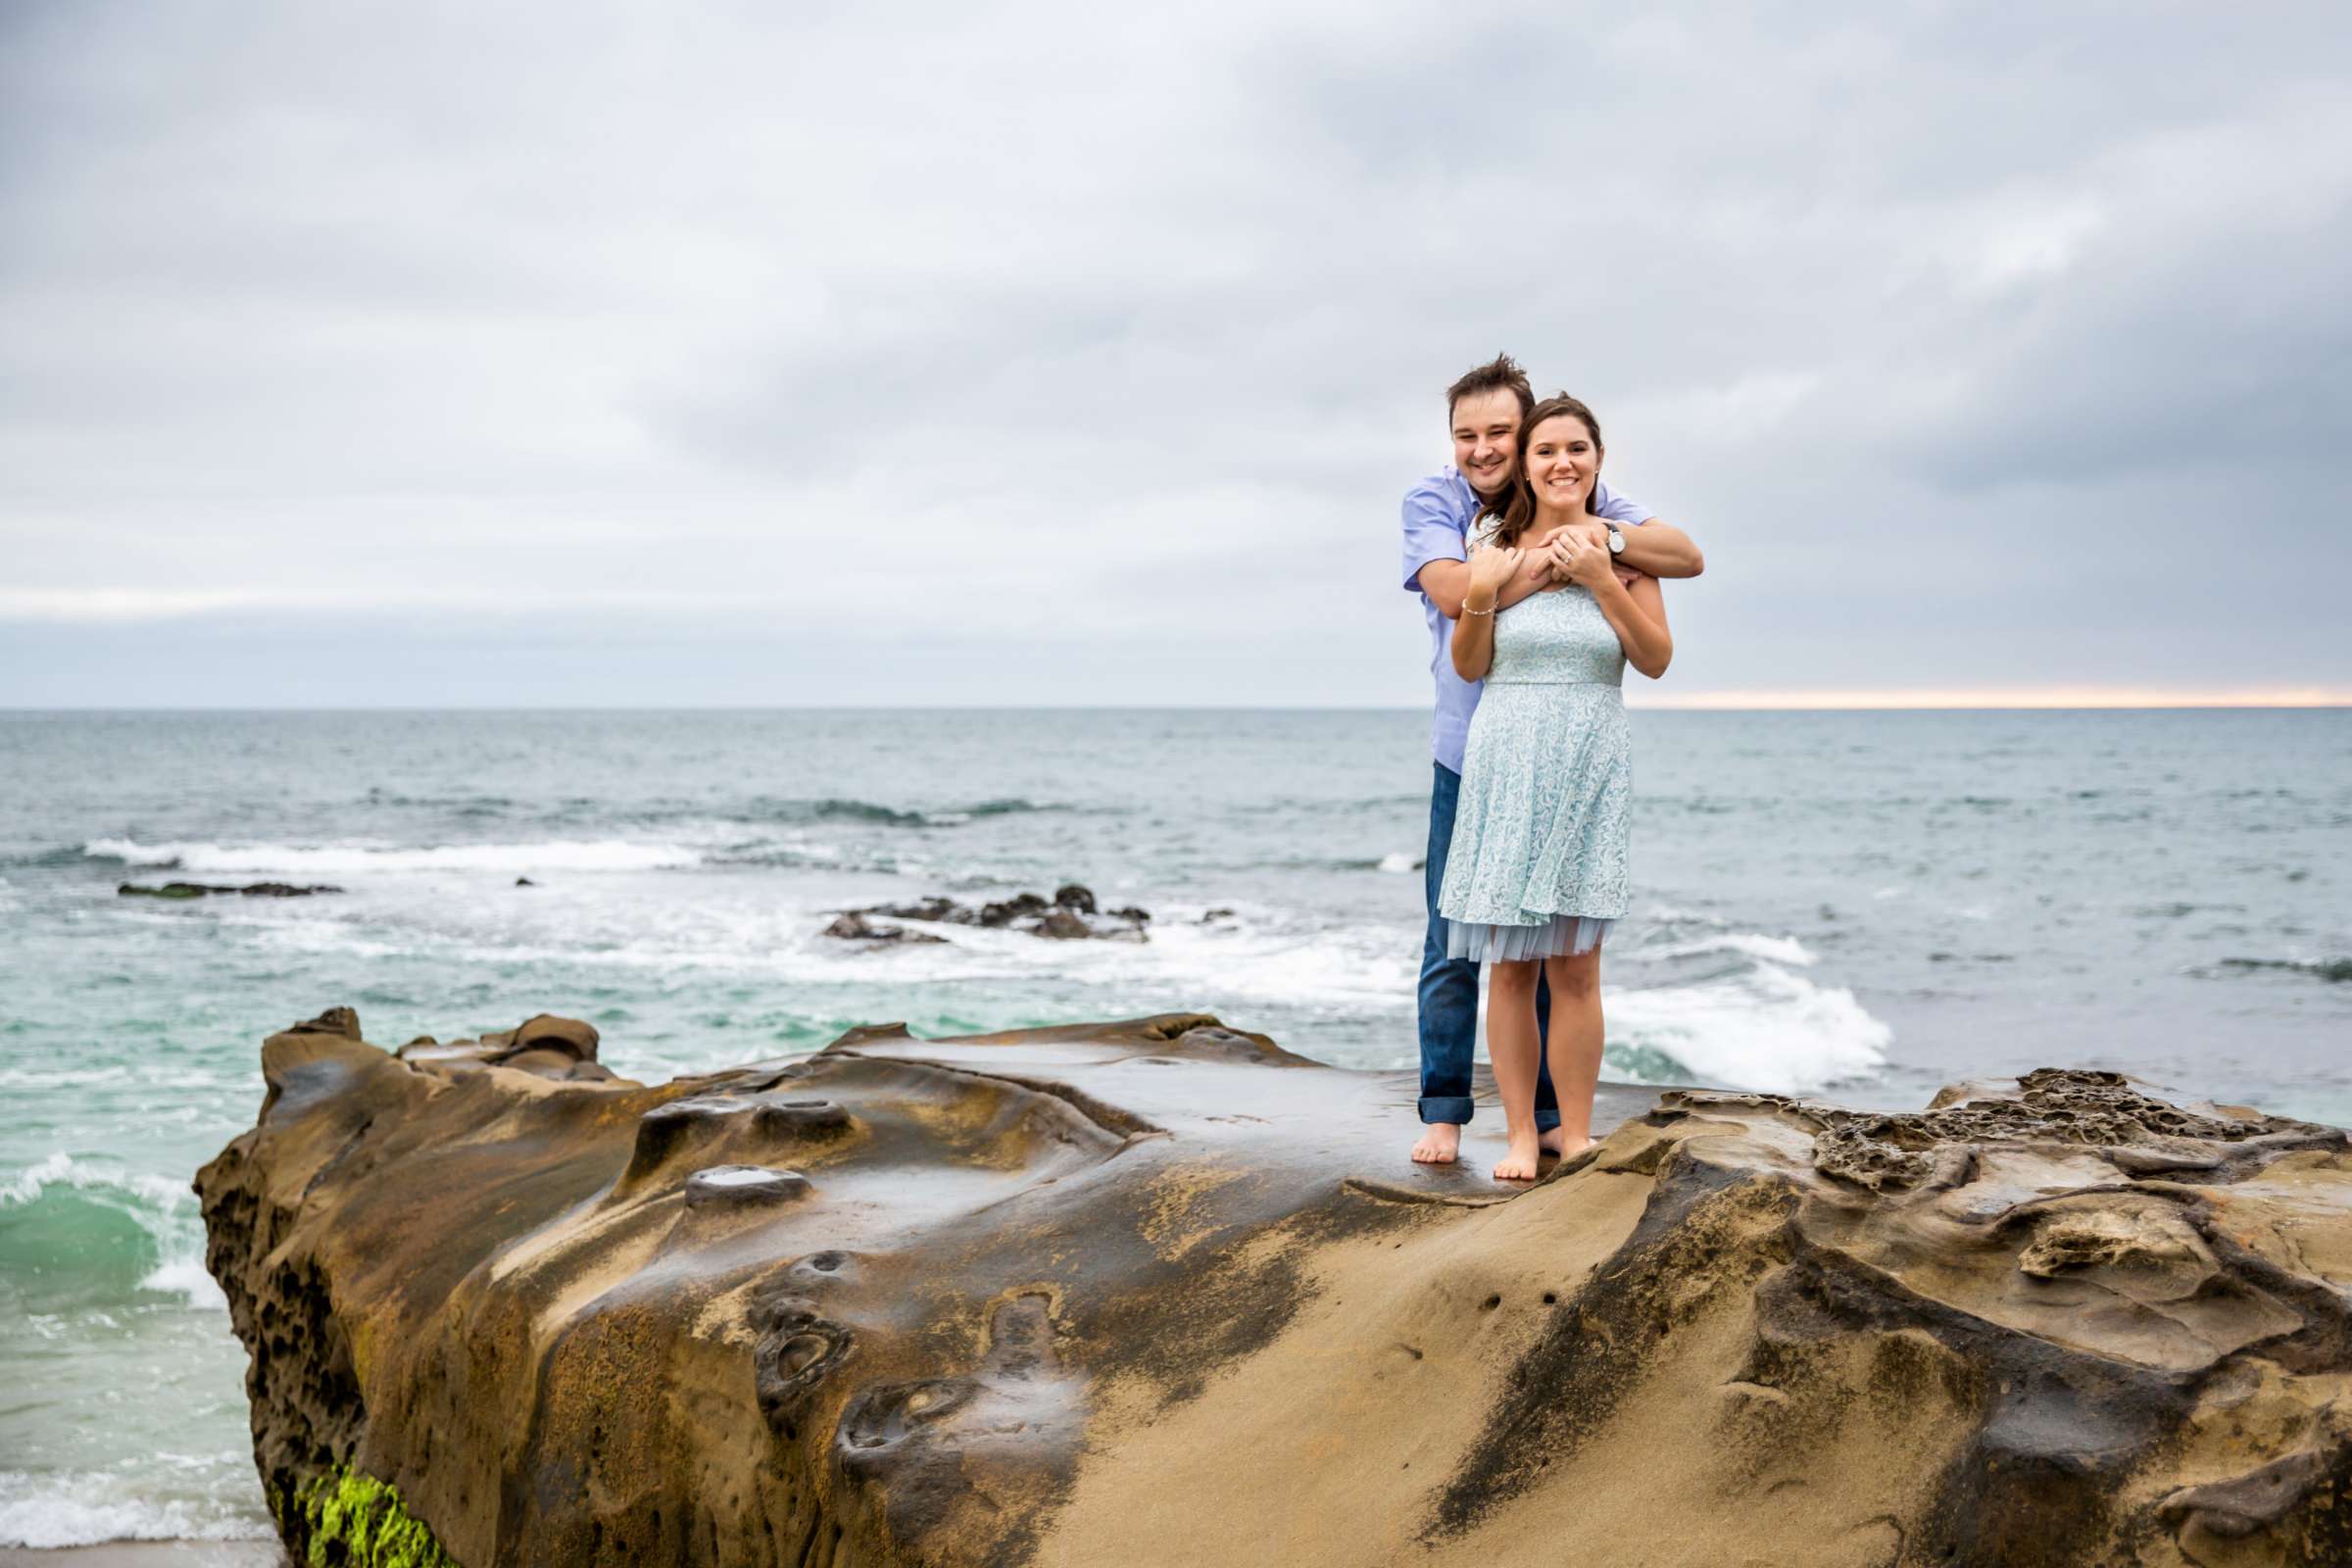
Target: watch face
1616, 543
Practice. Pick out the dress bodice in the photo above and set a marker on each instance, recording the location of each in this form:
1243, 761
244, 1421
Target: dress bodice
1556, 638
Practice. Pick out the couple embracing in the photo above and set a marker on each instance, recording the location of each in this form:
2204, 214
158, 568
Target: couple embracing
1540, 587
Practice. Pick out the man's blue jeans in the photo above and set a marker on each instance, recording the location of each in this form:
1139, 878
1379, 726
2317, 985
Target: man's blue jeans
1450, 992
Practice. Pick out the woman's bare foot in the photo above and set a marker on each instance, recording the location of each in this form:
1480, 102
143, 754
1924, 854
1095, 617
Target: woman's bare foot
1548, 1140
1440, 1142
1519, 1166
1565, 1149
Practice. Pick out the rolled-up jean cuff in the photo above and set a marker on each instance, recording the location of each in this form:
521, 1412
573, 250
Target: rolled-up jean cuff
1455, 1110
1452, 1110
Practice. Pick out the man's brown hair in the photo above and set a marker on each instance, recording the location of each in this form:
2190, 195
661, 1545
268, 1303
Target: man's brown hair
1498, 374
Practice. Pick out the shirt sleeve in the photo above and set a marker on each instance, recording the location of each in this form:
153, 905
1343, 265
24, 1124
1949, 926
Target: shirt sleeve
1618, 509
1431, 533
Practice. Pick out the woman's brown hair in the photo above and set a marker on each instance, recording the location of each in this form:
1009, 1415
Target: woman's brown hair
1515, 507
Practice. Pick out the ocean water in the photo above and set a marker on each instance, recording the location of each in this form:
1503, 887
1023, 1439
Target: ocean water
1864, 905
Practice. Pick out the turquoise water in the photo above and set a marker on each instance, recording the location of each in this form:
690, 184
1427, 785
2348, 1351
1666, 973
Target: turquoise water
1863, 904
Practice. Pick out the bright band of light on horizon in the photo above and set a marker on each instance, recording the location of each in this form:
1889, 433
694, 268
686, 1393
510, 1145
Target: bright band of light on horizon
2061, 697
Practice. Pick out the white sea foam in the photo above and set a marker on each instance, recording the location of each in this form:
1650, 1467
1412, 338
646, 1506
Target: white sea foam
120, 1073
742, 929
1765, 1025
84, 1510
1260, 957
187, 1278
1254, 956
317, 860
1399, 862
1773, 949
1763, 1029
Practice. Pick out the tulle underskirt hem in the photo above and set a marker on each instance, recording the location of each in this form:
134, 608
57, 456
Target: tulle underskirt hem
1515, 944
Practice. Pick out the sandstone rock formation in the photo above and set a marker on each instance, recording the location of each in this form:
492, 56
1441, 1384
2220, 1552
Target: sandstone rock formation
1160, 1292
544, 1044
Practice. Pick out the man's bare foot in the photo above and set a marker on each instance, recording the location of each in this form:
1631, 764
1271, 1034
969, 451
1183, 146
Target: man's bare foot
1519, 1166
1440, 1142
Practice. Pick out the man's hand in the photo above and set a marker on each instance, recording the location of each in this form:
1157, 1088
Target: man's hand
1555, 558
1591, 531
1576, 558
1546, 555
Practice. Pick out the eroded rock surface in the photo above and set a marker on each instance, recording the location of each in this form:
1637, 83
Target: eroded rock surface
1159, 1292
545, 1044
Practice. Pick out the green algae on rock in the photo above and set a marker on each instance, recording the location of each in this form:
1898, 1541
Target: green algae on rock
1159, 1292
349, 1520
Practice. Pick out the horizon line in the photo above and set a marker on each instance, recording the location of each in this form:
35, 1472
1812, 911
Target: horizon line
2078, 700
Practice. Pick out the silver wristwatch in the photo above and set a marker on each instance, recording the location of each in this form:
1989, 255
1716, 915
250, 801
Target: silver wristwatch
1616, 541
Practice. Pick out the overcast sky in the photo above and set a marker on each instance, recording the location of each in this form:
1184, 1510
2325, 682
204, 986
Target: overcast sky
1068, 352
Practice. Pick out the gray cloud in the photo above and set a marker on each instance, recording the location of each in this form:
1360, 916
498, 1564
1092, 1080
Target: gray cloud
1976, 354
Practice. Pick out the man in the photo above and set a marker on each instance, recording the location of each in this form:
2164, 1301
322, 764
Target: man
1484, 409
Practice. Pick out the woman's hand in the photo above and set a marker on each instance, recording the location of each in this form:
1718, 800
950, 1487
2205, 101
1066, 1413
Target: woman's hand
1473, 644
1574, 559
1491, 568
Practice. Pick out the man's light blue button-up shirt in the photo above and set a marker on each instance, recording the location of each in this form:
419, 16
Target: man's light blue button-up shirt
1436, 527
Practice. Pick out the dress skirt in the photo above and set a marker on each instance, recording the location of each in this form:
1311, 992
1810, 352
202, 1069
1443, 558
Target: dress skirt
1538, 865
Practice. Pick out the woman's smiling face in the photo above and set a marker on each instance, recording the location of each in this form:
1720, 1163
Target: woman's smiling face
1562, 463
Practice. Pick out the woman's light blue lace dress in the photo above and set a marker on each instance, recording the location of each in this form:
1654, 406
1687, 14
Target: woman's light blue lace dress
1538, 864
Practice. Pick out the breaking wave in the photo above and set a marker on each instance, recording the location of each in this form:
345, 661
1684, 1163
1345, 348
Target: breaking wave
1761, 1028
87, 1510
73, 1230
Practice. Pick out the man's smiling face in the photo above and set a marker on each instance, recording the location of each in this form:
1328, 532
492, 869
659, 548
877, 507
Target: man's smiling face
1486, 439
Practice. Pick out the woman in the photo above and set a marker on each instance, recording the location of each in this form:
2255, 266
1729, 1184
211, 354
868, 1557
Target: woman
1536, 871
